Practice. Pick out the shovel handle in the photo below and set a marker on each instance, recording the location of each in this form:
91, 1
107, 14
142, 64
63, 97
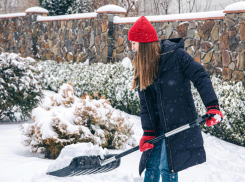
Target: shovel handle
198, 121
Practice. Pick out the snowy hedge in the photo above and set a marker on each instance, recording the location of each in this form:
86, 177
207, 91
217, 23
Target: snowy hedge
231, 98
114, 81
65, 119
110, 80
20, 86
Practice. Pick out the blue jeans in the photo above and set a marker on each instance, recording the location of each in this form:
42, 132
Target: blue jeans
157, 165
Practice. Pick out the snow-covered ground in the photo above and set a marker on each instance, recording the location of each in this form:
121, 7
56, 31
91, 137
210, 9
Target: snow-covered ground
225, 162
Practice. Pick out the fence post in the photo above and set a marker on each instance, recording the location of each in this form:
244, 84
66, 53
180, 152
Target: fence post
31, 18
106, 15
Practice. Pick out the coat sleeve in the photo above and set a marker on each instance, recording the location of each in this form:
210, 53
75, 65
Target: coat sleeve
144, 112
195, 72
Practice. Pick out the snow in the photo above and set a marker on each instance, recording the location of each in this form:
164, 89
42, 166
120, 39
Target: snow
75, 150
179, 17
111, 7
235, 6
218, 118
67, 17
184, 23
11, 15
37, 10
127, 63
225, 161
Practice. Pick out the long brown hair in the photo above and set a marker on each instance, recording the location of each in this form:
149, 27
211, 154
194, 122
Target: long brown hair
145, 62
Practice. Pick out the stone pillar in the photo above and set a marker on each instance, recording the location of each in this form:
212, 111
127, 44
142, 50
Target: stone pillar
232, 42
31, 24
104, 34
123, 47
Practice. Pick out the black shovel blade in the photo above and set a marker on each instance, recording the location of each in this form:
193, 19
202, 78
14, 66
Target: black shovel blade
85, 165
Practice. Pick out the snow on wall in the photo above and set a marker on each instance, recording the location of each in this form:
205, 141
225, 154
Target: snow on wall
29, 10
67, 17
37, 10
174, 17
12, 15
236, 6
111, 8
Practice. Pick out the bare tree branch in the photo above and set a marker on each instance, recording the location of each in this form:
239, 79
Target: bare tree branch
165, 6
208, 4
221, 5
156, 7
179, 5
16, 6
161, 7
191, 4
131, 6
198, 6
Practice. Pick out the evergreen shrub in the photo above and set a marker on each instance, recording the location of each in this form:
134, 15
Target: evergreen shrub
20, 86
64, 7
231, 96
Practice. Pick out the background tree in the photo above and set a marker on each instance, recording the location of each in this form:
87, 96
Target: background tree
80, 6
131, 6
56, 7
161, 6
188, 6
203, 6
62, 7
16, 6
191, 4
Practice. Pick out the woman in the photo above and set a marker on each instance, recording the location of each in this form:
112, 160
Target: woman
162, 73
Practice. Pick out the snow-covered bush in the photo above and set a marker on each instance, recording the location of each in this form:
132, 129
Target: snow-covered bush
110, 80
20, 86
231, 98
65, 119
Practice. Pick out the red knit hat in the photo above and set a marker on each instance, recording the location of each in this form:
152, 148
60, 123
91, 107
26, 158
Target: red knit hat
142, 31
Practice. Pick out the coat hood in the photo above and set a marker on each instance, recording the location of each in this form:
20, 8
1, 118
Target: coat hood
168, 46
171, 44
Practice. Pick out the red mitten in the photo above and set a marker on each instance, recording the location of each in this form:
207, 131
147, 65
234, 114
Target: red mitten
214, 119
148, 135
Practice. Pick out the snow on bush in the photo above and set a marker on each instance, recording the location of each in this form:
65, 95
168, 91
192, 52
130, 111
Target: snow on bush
231, 96
110, 80
65, 119
20, 86
75, 150
127, 63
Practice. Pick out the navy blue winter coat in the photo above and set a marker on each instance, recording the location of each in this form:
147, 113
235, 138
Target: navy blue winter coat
175, 105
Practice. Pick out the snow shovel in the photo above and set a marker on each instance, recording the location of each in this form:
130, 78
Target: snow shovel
85, 165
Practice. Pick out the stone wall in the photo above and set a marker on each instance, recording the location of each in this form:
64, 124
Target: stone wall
217, 42
73, 38
76, 40
16, 34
